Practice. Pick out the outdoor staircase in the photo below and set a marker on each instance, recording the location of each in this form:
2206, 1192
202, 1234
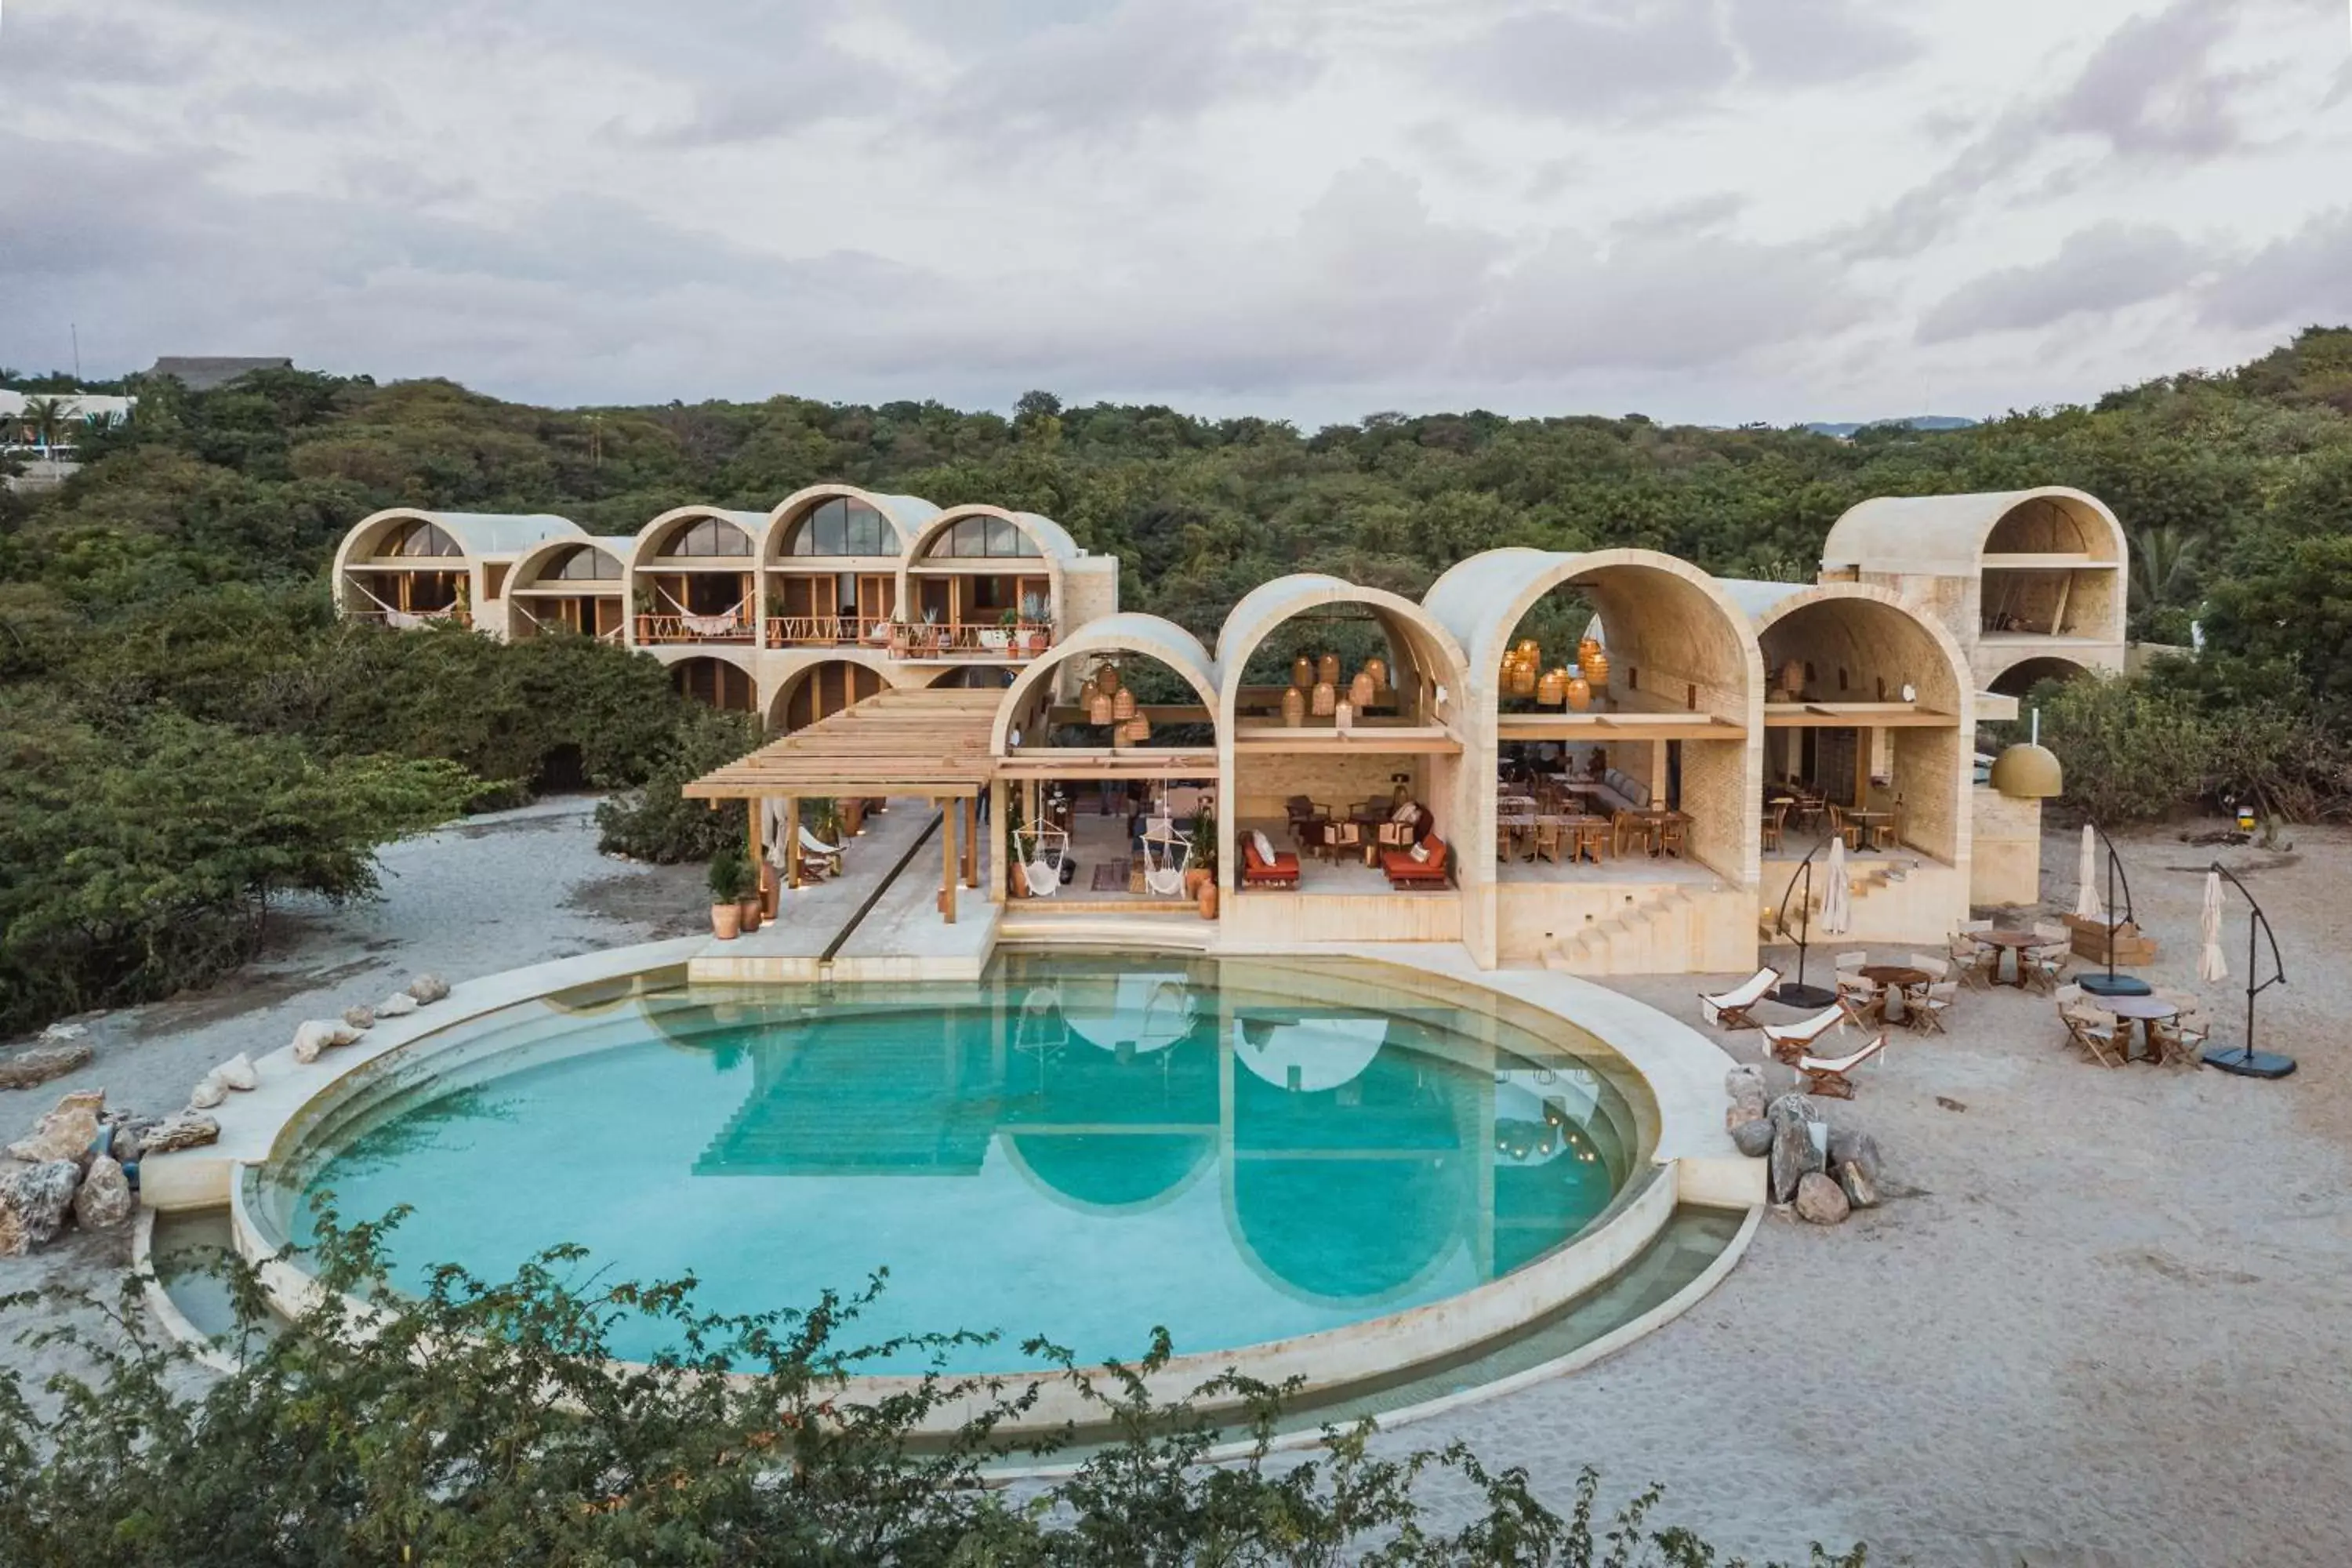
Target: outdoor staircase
1864, 877
1649, 936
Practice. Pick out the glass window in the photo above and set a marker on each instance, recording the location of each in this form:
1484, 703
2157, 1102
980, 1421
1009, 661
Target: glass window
974, 538
582, 564
707, 536
417, 537
841, 527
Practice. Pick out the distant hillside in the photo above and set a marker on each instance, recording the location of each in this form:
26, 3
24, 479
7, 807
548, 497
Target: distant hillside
1915, 422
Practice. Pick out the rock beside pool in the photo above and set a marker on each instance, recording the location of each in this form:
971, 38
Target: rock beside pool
1860, 1190
104, 1199
1852, 1146
399, 1004
361, 1017
238, 1073
1753, 1139
428, 989
31, 1068
66, 1132
1745, 1085
35, 1203
1793, 1155
318, 1035
1821, 1201
185, 1130
209, 1091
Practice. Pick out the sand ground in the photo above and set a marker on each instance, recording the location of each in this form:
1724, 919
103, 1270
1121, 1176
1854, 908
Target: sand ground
2100, 1320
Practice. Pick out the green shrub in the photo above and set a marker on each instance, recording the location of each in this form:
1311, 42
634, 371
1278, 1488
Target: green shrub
654, 821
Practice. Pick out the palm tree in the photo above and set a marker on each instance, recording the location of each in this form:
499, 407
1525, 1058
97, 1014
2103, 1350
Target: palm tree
44, 421
2161, 561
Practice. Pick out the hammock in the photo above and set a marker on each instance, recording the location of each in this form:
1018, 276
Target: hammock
398, 618
1041, 1030
724, 624
1167, 855
1049, 848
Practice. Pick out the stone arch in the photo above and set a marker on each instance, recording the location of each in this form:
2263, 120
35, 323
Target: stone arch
824, 687
1951, 535
719, 677
907, 516
1132, 633
1437, 656
2024, 675
657, 534
1054, 546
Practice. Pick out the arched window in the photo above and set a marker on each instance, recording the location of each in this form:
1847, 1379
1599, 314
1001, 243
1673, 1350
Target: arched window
707, 537
974, 538
581, 563
418, 537
842, 527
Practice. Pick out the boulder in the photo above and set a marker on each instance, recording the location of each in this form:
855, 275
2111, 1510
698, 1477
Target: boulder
362, 1016
1754, 1139
104, 1200
126, 1146
31, 1068
1821, 1201
1852, 1146
1746, 1087
57, 1033
1793, 1154
38, 1198
64, 1133
1860, 1190
185, 1130
209, 1091
315, 1035
238, 1073
429, 988
399, 1004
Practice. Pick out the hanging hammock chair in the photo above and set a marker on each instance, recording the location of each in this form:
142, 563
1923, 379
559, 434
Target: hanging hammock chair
1048, 852
1041, 1030
1167, 855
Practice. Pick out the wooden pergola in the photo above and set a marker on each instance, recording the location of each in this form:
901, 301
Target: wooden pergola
931, 744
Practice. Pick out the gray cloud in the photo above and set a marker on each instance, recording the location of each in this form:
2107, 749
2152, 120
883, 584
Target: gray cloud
2303, 279
2096, 272
1810, 41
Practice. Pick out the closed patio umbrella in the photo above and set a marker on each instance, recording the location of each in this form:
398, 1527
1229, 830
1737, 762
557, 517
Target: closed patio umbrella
1837, 902
2086, 874
2210, 965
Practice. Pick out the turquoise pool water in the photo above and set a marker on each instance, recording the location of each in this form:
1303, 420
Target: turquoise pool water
1076, 1148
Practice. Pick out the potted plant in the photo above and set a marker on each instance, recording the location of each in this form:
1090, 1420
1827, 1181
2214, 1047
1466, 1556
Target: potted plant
1205, 856
1036, 613
642, 604
1010, 623
728, 877
928, 635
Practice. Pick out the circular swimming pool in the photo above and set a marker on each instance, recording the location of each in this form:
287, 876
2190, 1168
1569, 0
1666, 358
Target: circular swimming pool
1076, 1148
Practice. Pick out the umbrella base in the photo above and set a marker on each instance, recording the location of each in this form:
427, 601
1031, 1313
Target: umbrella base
2116, 985
2247, 1063
1795, 995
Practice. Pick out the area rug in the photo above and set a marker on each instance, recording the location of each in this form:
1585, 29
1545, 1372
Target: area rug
1110, 876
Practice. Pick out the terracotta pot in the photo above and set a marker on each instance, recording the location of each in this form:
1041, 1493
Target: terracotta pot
1208, 901
748, 916
726, 921
1325, 701
1327, 669
1579, 694
1302, 672
645, 628
1363, 689
1293, 708
1038, 643
1529, 650
1193, 879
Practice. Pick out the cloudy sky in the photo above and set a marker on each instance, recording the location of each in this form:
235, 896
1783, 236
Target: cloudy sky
1714, 210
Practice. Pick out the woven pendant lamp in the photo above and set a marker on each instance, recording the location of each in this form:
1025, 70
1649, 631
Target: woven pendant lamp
1378, 668
1302, 672
1122, 705
1293, 708
1327, 697
1098, 707
1363, 689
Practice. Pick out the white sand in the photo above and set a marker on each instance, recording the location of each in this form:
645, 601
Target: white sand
2102, 1319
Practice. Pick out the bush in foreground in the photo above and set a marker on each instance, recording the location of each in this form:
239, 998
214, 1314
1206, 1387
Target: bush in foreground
478, 1423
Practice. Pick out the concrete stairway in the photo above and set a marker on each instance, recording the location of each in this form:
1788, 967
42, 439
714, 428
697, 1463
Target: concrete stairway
1651, 935
1864, 876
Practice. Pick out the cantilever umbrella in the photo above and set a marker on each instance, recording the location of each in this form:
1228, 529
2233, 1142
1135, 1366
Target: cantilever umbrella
1837, 902
2210, 965
2086, 873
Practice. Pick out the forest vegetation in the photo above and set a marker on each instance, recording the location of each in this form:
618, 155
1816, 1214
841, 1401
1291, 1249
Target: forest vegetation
188, 737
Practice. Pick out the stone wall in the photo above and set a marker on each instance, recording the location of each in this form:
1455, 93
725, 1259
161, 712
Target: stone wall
2005, 857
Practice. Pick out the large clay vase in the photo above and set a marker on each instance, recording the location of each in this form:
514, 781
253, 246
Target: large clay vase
1363, 689
1293, 708
1378, 668
747, 919
1529, 650
1327, 669
726, 921
1552, 689
1302, 672
1579, 694
1209, 900
1193, 878
1522, 678
1326, 700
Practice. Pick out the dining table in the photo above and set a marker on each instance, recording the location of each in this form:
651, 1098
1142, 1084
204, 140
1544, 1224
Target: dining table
1584, 828
2016, 943
1867, 820
2146, 1012
1896, 981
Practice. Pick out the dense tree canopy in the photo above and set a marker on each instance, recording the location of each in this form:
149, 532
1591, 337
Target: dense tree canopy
181, 574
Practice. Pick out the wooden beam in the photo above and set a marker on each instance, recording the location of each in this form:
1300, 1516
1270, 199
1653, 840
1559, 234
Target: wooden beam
948, 863
1394, 741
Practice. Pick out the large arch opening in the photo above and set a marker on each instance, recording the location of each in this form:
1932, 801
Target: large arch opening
569, 588
820, 691
2019, 679
1107, 748
1868, 727
832, 568
718, 682
405, 569
694, 580
1337, 702
980, 582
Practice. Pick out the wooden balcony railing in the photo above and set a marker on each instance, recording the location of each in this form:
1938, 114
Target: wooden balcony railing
914, 639
409, 620
693, 628
824, 631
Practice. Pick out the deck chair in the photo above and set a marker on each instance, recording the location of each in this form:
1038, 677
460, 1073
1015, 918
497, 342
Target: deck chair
1863, 999
1941, 968
2094, 1031
1049, 851
1730, 1009
1828, 1075
827, 856
1974, 960
1927, 1013
1787, 1042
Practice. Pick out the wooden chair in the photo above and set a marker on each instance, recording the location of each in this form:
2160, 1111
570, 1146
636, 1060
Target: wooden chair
1807, 810
1974, 959
1671, 830
1593, 837
1730, 1009
1629, 824
1829, 1077
2182, 1038
1888, 834
1863, 999
2094, 1031
1550, 840
2045, 966
1925, 1013
1787, 1042
1938, 968
1341, 838
1775, 822
1840, 827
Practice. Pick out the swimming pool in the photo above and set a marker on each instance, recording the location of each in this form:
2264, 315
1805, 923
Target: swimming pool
1078, 1147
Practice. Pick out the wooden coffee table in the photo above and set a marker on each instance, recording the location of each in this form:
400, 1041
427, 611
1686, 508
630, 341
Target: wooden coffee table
2145, 1011
2016, 943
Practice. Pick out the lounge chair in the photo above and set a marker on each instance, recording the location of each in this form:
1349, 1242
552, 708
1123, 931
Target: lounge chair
1974, 958
1263, 865
1424, 866
1730, 1009
827, 856
1787, 1042
1827, 1076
